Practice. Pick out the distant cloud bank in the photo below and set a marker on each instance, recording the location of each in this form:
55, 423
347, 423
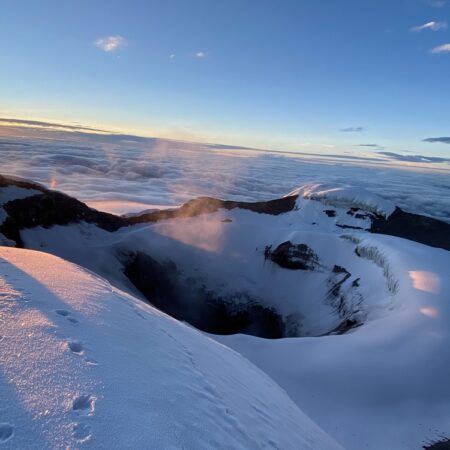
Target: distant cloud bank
110, 43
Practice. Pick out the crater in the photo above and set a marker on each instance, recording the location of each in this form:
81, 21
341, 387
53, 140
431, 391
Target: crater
190, 301
161, 284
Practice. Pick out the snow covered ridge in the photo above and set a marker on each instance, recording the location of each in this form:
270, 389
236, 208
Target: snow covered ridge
84, 364
345, 196
54, 208
366, 315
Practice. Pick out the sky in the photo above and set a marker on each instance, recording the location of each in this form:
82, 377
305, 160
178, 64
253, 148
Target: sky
354, 76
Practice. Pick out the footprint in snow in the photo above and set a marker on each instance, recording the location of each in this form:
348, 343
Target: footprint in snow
84, 404
66, 314
139, 314
6, 432
76, 347
91, 362
81, 432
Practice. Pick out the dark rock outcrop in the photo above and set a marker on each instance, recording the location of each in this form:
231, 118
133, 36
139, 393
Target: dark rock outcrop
414, 227
204, 205
344, 327
293, 256
443, 444
52, 208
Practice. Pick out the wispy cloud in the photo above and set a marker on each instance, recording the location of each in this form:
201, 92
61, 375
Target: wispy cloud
368, 145
47, 125
110, 43
433, 26
437, 3
445, 48
200, 55
442, 140
352, 129
415, 158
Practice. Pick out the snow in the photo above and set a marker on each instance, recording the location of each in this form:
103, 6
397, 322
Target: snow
383, 385
386, 384
84, 364
230, 258
345, 196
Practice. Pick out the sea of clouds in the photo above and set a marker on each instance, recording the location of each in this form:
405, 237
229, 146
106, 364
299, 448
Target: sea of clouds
126, 169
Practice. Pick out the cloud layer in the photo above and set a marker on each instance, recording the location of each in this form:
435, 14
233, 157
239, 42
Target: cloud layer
155, 171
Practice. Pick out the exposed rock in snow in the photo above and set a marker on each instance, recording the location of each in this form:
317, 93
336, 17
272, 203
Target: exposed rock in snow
442, 444
414, 227
8, 192
294, 257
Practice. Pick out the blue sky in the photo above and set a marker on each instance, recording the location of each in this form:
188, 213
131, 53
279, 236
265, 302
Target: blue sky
274, 74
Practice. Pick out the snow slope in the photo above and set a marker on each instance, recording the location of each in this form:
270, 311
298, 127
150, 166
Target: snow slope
385, 385
84, 364
390, 374
382, 384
